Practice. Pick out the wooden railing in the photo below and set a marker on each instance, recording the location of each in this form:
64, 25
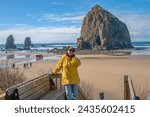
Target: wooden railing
57, 81
129, 91
56, 90
81, 95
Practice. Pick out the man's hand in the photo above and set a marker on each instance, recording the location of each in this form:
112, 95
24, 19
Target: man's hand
73, 55
53, 74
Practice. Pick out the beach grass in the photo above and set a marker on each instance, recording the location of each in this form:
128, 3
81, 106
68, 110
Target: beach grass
10, 77
1, 91
143, 92
88, 89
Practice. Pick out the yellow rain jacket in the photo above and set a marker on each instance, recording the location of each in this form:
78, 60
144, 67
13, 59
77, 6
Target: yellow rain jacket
69, 69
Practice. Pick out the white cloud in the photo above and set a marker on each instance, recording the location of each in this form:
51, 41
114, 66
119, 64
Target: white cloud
138, 25
61, 18
41, 34
23, 26
56, 3
31, 15
120, 6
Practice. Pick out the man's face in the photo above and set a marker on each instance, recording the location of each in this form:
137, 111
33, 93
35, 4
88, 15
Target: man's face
70, 52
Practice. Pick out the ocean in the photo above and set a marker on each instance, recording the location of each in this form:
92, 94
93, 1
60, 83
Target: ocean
42, 46
141, 48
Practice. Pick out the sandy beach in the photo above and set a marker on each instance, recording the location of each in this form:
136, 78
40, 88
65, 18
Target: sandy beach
104, 73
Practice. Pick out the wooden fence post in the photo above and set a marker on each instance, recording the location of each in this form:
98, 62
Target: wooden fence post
101, 95
126, 88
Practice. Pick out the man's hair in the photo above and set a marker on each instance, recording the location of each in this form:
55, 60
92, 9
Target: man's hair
71, 49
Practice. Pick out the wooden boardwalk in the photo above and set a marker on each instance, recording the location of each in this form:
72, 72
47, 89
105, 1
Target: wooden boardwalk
129, 91
48, 87
45, 87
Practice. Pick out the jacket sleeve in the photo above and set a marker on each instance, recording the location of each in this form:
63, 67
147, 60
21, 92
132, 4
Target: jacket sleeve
75, 62
58, 66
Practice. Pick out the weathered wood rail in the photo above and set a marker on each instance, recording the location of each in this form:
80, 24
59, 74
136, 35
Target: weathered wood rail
45, 87
48, 87
129, 91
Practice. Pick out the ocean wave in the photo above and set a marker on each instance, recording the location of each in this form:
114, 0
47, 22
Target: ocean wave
148, 46
42, 48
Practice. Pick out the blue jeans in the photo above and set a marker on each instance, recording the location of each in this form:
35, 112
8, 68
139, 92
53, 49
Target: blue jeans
71, 91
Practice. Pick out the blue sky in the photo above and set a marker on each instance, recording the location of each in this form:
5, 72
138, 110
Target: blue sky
49, 21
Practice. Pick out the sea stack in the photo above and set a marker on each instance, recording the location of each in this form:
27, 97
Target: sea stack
27, 43
10, 43
103, 31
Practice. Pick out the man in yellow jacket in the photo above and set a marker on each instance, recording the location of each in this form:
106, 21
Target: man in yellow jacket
70, 77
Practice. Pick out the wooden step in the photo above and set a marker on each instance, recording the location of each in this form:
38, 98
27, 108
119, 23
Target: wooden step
54, 95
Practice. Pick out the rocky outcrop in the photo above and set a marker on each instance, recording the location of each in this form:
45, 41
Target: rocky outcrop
103, 31
27, 43
10, 43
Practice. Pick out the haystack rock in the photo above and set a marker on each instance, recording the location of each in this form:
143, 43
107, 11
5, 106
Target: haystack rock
27, 43
103, 31
10, 43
